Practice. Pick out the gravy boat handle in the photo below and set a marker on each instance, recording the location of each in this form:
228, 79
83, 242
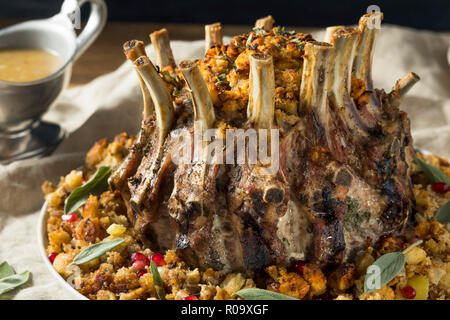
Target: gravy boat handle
97, 19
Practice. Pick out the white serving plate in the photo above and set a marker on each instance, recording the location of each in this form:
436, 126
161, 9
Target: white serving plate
42, 244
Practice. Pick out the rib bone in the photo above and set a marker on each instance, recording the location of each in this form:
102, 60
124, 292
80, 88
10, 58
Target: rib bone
158, 159
213, 35
344, 41
160, 95
313, 89
203, 105
265, 23
261, 104
133, 49
402, 87
161, 43
330, 31
187, 199
362, 66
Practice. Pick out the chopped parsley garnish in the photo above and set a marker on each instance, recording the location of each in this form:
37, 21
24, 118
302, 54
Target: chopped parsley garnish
221, 78
175, 91
299, 43
230, 60
259, 31
283, 32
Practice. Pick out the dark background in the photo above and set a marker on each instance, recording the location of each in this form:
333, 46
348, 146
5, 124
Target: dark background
423, 14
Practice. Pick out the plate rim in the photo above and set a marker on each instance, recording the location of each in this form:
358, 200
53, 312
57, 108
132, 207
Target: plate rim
42, 244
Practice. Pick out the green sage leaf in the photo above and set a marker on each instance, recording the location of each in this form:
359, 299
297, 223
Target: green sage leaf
157, 281
415, 244
96, 250
13, 281
434, 173
5, 270
95, 186
443, 214
261, 294
389, 265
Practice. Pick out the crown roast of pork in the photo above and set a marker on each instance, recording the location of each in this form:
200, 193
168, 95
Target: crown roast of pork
345, 149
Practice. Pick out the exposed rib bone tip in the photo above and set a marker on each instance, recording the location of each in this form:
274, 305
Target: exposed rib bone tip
362, 65
314, 83
261, 102
402, 87
159, 93
370, 19
265, 23
273, 194
141, 61
161, 43
330, 31
185, 64
344, 41
262, 56
202, 103
133, 49
213, 35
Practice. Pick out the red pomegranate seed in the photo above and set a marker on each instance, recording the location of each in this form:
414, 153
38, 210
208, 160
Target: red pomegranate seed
70, 217
408, 292
52, 256
190, 298
159, 259
140, 273
440, 187
299, 266
141, 264
137, 256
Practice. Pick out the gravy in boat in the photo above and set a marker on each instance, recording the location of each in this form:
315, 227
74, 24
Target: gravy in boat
27, 64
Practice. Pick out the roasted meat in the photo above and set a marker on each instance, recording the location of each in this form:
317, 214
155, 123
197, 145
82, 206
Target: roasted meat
334, 153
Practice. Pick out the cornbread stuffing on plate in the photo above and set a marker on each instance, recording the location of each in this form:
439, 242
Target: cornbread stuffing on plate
124, 272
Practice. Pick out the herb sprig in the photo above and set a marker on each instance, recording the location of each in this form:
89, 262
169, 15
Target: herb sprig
157, 281
95, 186
434, 173
389, 265
9, 280
222, 78
443, 214
299, 43
283, 32
261, 294
96, 250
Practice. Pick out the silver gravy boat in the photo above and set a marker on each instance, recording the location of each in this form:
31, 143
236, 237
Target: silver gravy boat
22, 133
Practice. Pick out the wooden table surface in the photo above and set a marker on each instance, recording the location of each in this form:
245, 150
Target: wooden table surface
105, 54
